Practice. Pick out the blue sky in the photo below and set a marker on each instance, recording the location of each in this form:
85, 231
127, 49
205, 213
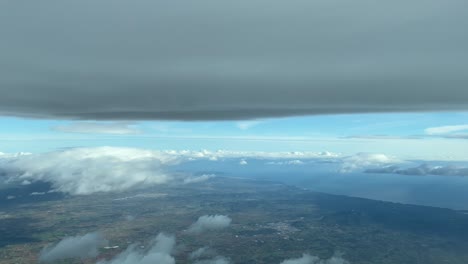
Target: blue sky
402, 134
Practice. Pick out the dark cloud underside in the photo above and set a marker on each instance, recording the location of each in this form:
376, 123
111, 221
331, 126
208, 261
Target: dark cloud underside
219, 59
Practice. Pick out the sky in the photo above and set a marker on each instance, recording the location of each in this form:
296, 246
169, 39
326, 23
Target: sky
429, 136
359, 95
364, 98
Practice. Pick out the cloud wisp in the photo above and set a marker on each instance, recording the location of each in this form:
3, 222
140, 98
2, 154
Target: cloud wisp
114, 128
201, 252
308, 259
208, 223
422, 170
86, 246
454, 131
193, 61
445, 129
246, 125
159, 252
216, 260
198, 179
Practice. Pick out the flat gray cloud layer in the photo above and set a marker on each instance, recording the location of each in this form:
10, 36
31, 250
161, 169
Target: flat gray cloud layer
219, 59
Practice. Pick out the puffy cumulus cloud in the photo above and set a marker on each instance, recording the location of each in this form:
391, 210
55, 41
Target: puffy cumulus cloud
364, 160
192, 61
197, 179
159, 252
210, 223
83, 171
117, 128
308, 259
86, 246
216, 260
423, 169
243, 162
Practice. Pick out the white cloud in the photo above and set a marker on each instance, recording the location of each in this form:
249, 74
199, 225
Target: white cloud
287, 162
223, 154
86, 246
210, 223
159, 252
308, 259
197, 179
37, 193
423, 169
81, 171
25, 182
245, 125
117, 128
364, 160
441, 130
89, 170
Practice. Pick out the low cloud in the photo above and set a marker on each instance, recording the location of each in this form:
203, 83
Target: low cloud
364, 160
421, 170
208, 223
201, 252
243, 162
159, 252
86, 246
82, 171
198, 179
216, 260
37, 193
308, 259
117, 128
